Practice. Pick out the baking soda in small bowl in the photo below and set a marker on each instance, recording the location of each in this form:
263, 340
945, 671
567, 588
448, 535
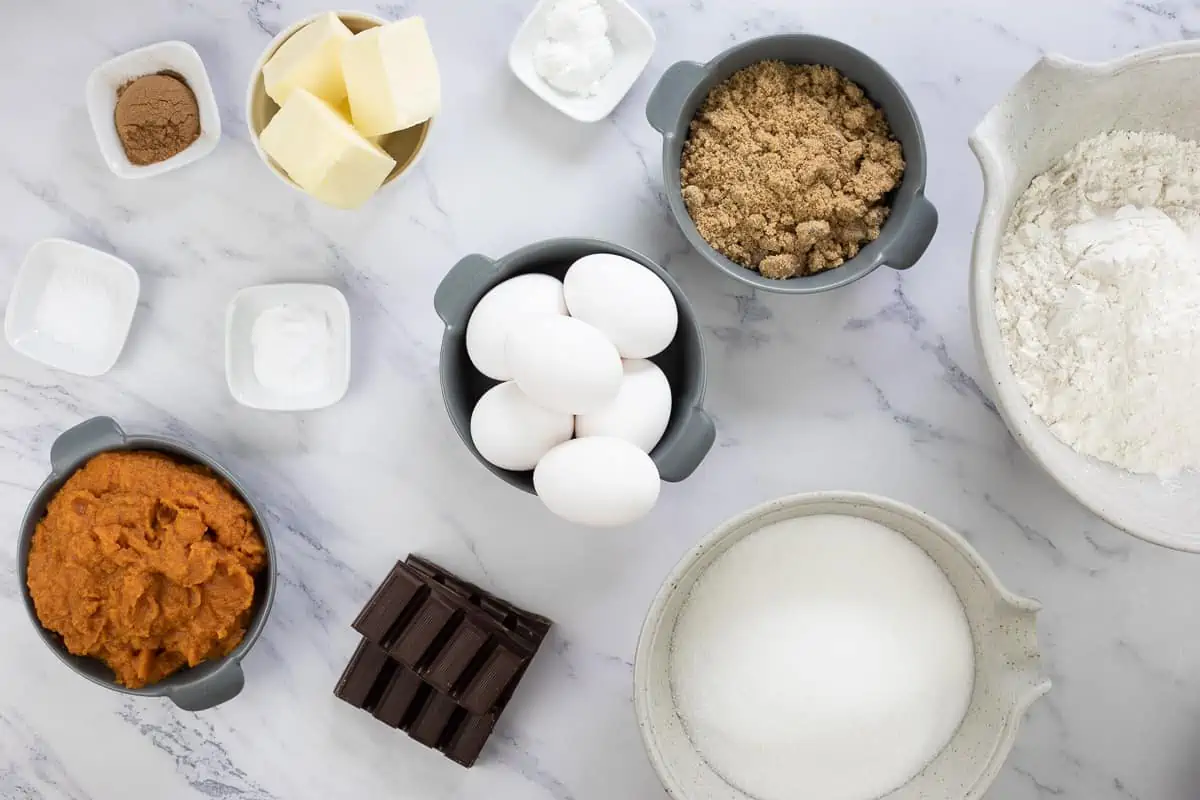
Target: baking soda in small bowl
823, 656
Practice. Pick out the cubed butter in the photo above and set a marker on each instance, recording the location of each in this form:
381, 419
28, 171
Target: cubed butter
323, 153
310, 59
391, 77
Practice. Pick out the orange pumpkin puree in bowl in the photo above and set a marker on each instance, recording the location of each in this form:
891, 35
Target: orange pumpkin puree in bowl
147, 564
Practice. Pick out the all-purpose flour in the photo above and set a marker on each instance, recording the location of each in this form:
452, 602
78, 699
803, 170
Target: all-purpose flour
1098, 300
823, 657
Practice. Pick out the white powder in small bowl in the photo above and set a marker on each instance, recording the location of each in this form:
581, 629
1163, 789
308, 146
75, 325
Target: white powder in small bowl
293, 349
822, 657
77, 308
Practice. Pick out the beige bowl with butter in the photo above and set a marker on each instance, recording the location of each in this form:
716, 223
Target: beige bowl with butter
404, 146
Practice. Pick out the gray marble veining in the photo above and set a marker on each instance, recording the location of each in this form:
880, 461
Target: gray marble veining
873, 388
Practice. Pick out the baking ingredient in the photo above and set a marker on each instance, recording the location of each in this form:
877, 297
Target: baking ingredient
440, 658
311, 59
512, 432
391, 77
564, 364
323, 153
77, 308
627, 302
575, 53
639, 413
504, 308
598, 481
145, 563
823, 656
156, 117
787, 169
293, 349
1098, 299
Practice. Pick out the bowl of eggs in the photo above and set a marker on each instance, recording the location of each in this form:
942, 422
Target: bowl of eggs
574, 369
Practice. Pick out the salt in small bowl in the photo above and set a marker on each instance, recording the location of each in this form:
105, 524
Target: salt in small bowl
23, 329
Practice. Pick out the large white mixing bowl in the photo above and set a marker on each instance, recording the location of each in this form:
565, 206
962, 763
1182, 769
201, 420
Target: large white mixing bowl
1003, 628
1057, 104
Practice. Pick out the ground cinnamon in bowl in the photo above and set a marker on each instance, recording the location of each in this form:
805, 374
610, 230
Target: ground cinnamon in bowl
788, 169
156, 117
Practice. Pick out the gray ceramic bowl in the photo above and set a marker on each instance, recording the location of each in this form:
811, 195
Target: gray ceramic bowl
195, 689
913, 221
690, 432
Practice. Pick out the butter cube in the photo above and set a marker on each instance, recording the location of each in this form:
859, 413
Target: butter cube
391, 77
310, 59
323, 153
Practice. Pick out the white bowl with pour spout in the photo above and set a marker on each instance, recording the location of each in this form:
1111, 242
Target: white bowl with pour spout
1007, 676
1056, 105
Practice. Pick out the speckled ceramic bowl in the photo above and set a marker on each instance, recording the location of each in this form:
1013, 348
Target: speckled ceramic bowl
1056, 105
1007, 677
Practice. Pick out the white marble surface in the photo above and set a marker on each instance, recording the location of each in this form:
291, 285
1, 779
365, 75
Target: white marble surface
871, 388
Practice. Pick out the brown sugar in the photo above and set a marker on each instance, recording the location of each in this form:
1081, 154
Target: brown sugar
787, 169
147, 564
156, 117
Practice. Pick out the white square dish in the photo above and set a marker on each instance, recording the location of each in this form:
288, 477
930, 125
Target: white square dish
245, 308
23, 323
108, 78
633, 43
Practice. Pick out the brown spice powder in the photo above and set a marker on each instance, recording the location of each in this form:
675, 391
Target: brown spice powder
156, 117
787, 168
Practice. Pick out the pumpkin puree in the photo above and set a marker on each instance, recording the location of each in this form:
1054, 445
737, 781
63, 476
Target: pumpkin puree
147, 564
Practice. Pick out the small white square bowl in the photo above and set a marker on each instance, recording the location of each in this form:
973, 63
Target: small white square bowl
20, 319
108, 78
633, 44
246, 307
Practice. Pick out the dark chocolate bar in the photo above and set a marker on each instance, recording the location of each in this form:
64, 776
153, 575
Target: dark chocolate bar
440, 657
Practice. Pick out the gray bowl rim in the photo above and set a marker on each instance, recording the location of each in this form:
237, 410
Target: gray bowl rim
222, 680
696, 433
911, 232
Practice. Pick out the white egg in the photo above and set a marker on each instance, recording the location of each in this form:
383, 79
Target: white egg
513, 432
564, 364
627, 302
639, 413
598, 481
503, 308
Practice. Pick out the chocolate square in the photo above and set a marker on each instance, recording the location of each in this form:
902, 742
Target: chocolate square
440, 657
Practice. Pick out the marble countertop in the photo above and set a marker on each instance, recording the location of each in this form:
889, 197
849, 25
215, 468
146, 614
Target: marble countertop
873, 387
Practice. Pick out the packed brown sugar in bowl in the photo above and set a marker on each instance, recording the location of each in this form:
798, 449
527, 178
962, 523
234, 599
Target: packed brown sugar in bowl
787, 169
147, 564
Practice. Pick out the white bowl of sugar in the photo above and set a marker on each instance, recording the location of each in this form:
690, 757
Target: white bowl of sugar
834, 645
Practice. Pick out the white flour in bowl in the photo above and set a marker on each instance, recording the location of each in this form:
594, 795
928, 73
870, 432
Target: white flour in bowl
822, 657
1098, 300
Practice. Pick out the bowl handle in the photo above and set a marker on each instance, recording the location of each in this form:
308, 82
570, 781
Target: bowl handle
682, 456
454, 296
85, 439
666, 99
221, 686
915, 237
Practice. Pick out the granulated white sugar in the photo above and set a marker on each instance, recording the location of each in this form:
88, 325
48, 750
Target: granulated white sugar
822, 657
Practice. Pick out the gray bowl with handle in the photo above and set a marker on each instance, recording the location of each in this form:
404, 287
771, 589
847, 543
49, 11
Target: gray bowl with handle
913, 221
193, 689
690, 432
